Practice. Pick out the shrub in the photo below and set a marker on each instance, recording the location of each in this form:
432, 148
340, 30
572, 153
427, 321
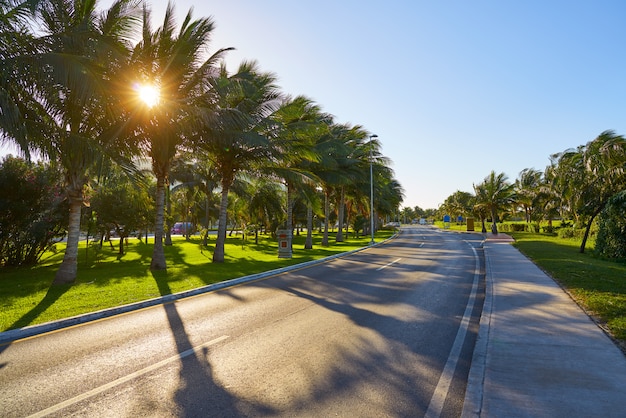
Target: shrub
611, 240
33, 211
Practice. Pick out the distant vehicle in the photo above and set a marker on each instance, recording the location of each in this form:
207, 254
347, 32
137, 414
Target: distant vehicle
181, 228
422, 221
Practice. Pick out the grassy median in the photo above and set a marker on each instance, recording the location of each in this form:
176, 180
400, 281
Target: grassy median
106, 279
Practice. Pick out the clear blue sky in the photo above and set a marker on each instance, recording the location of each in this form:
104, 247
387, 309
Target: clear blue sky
453, 89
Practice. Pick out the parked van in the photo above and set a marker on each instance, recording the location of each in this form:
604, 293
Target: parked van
181, 228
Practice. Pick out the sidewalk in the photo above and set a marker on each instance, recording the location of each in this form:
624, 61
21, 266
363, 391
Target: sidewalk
538, 354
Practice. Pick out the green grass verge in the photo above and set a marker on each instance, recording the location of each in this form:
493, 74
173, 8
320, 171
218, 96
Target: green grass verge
106, 279
599, 286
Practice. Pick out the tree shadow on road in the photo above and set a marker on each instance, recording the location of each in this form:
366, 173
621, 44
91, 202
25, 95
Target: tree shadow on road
198, 393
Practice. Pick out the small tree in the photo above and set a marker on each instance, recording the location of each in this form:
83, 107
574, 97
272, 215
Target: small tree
122, 206
33, 211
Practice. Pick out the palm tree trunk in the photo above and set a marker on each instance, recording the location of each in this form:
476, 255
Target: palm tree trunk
326, 216
168, 205
218, 253
583, 244
69, 267
206, 220
494, 225
308, 242
339, 237
289, 223
158, 254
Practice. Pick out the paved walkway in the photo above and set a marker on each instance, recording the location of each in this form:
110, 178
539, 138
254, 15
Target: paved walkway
538, 354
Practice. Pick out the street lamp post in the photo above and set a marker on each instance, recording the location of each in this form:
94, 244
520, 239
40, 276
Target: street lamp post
372, 191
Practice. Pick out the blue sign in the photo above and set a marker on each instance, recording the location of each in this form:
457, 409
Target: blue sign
446, 218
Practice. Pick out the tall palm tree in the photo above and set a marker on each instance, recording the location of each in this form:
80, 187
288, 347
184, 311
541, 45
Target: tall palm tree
236, 138
328, 146
494, 193
65, 109
296, 124
352, 165
604, 162
172, 60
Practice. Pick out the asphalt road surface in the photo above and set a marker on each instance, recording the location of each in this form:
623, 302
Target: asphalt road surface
385, 332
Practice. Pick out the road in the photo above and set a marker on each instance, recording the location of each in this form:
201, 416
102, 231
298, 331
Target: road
385, 332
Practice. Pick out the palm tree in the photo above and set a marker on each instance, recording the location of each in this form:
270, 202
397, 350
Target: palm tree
494, 193
390, 193
353, 165
310, 195
604, 161
328, 146
296, 125
172, 60
265, 204
459, 203
59, 99
185, 190
480, 208
586, 178
206, 180
235, 139
565, 178
528, 188
18, 104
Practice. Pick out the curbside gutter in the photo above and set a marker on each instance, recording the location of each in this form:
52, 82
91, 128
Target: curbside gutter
472, 405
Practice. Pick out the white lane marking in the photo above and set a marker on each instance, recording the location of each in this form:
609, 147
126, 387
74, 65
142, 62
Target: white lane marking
126, 378
388, 264
441, 391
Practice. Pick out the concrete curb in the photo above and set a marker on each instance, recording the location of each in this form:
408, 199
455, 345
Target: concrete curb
472, 405
30, 331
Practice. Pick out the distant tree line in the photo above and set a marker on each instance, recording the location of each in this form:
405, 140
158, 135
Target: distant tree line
585, 185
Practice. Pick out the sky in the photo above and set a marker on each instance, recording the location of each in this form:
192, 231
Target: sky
453, 89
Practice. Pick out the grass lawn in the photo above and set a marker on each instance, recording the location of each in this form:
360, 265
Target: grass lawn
106, 279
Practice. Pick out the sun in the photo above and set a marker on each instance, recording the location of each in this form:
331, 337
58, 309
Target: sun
148, 94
